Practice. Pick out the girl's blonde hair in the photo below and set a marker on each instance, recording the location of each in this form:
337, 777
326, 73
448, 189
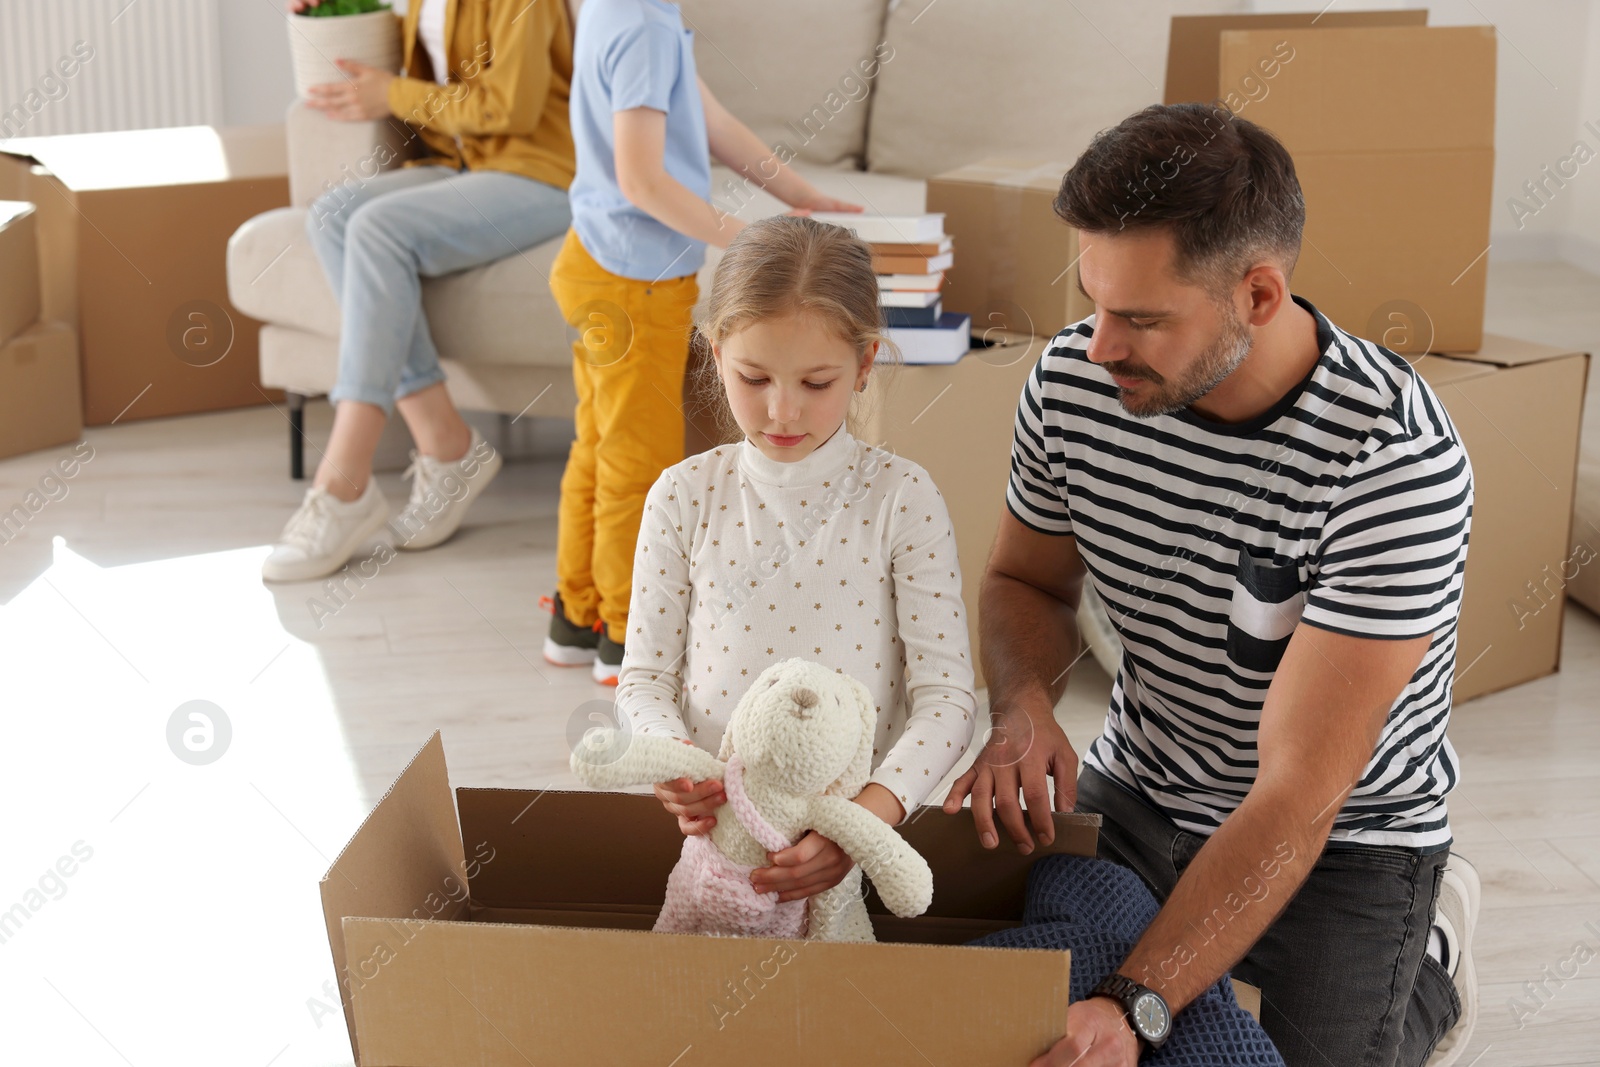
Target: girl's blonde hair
783, 265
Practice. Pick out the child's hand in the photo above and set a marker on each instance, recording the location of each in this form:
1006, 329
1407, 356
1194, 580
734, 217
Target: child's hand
819, 202
805, 868
691, 803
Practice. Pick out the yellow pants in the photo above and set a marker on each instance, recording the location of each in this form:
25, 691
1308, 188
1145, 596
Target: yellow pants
628, 364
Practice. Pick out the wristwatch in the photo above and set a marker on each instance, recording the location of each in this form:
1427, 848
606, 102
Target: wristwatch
1147, 1012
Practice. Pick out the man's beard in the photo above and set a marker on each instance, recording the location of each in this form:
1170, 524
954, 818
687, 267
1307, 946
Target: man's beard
1220, 359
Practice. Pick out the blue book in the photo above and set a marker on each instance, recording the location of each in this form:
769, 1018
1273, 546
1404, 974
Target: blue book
901, 316
944, 343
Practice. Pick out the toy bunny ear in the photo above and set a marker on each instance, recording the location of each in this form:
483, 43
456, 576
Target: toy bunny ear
725, 749
855, 777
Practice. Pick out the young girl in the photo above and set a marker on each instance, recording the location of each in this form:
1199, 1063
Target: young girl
646, 129
798, 541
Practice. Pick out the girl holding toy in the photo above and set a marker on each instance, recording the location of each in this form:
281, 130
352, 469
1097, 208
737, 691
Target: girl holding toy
800, 540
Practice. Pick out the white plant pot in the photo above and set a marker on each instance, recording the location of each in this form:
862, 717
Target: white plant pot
314, 44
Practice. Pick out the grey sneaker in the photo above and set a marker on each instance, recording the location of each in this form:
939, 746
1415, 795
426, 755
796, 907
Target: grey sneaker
607, 660
1456, 916
568, 644
323, 534
441, 492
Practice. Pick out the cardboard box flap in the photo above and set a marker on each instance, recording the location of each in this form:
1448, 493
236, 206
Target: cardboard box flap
1024, 173
617, 850
1440, 371
406, 853
1193, 73
488, 995
177, 155
973, 882
1403, 89
12, 210
1501, 351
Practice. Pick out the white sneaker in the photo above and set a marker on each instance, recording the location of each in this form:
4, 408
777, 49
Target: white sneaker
441, 492
323, 534
1457, 916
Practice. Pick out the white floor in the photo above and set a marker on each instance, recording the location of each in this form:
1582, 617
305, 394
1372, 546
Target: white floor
193, 926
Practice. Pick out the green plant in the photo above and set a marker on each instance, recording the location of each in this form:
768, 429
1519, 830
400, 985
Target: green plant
345, 7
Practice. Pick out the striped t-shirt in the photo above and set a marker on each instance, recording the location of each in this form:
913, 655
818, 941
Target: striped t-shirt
1346, 506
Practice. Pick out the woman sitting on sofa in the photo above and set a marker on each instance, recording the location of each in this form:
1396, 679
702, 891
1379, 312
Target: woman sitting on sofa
494, 181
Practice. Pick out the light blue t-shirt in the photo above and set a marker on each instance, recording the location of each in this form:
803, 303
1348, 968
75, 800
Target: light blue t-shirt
627, 54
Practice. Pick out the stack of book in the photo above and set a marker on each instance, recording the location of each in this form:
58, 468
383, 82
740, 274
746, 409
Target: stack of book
910, 254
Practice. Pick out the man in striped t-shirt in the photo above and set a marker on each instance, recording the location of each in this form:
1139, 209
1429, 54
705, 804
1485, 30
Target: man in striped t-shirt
1275, 514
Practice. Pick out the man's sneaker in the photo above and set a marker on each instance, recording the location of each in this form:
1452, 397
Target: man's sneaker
568, 644
441, 492
1456, 916
322, 535
607, 660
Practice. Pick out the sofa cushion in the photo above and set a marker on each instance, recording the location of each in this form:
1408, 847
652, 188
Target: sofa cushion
794, 78
963, 85
498, 313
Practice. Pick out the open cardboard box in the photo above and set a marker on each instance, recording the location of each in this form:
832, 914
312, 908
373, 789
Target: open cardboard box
133, 229
521, 934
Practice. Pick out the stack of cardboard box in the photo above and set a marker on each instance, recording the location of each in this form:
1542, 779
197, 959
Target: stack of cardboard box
133, 229
1391, 126
39, 404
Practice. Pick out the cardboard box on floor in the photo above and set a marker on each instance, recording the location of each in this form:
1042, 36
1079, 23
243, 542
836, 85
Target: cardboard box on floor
39, 404
1518, 407
1015, 261
1391, 127
522, 934
133, 231
19, 267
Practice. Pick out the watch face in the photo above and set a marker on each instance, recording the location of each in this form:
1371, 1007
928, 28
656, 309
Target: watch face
1150, 1016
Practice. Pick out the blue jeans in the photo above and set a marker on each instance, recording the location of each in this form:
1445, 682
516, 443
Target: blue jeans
379, 239
1344, 973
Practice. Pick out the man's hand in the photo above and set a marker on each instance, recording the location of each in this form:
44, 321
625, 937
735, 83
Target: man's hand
1024, 745
1098, 1035
365, 95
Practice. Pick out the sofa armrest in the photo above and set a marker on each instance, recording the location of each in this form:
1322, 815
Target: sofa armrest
324, 152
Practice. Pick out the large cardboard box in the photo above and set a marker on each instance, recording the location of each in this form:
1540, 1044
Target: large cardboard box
19, 268
521, 934
1015, 262
1518, 407
956, 420
39, 389
1392, 132
133, 233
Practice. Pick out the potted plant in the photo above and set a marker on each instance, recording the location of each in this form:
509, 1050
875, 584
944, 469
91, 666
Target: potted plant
363, 30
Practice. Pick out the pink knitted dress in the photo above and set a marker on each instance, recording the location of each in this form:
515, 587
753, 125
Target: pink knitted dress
707, 893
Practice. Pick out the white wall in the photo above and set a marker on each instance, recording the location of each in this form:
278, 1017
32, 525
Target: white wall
1581, 243
257, 84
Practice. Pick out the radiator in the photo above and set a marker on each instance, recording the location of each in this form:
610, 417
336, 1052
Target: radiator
85, 66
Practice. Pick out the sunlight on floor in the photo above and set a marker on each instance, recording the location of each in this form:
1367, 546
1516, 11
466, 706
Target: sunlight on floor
199, 876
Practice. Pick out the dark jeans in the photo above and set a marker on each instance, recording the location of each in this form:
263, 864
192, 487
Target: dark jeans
1344, 973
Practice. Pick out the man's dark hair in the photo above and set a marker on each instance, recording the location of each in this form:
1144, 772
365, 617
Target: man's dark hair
1224, 186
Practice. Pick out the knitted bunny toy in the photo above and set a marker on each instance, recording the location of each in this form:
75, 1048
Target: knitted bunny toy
797, 749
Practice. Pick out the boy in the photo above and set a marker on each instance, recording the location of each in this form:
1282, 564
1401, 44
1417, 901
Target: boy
643, 124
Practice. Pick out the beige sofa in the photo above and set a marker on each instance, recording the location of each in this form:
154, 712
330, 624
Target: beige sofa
958, 80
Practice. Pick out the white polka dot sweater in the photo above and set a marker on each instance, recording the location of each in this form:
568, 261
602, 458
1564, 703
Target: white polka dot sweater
845, 556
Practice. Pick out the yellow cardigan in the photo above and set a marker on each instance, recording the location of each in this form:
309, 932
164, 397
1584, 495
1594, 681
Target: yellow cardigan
505, 106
